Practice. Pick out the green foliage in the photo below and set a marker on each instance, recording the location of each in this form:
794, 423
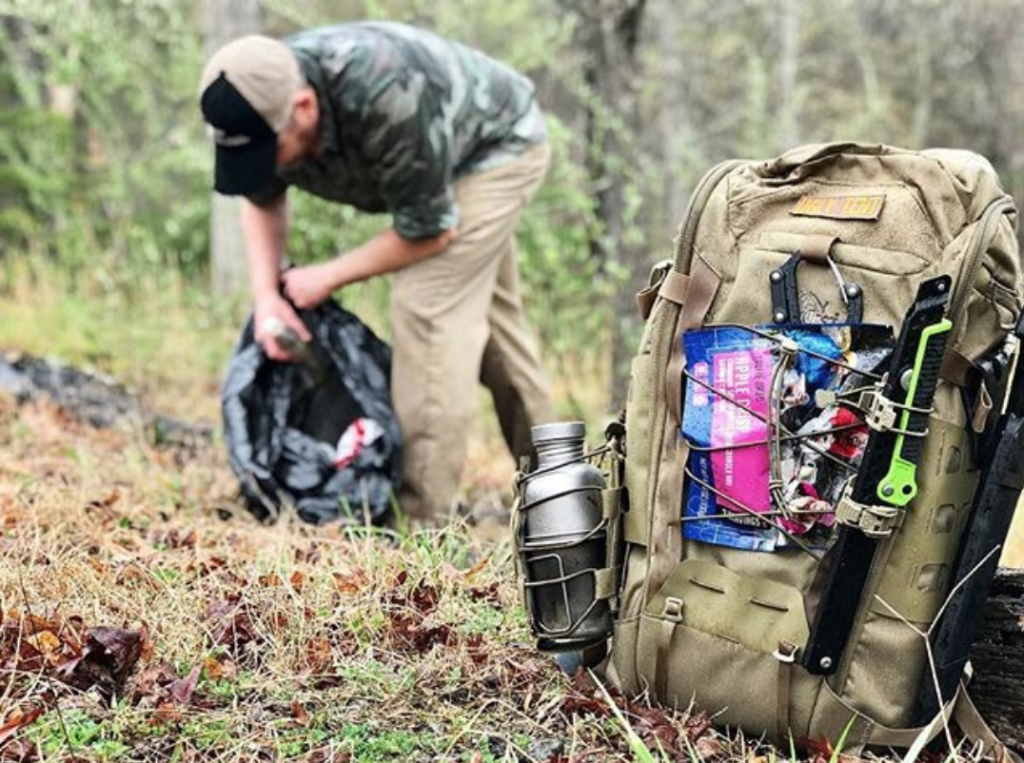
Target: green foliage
915, 74
370, 744
74, 730
117, 192
565, 284
105, 171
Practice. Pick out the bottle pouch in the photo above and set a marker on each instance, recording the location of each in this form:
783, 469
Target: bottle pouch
568, 540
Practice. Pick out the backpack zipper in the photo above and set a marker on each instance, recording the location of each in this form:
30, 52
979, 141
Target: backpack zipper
969, 270
700, 199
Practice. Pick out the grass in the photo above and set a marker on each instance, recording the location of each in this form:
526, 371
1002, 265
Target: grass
256, 643
305, 643
338, 645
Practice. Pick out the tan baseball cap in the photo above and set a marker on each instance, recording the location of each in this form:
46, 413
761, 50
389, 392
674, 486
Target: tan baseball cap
246, 97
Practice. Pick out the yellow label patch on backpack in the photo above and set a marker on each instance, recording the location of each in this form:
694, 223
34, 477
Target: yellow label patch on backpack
840, 207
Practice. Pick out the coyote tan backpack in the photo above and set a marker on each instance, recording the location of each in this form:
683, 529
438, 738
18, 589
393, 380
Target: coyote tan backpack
726, 628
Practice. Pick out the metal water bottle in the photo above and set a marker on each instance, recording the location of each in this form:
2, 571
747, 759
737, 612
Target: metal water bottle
563, 541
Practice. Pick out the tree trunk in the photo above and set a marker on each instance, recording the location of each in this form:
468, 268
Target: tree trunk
925, 91
998, 658
226, 20
789, 59
674, 128
608, 38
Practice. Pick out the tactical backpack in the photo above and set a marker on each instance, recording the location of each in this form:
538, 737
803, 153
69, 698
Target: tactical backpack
842, 234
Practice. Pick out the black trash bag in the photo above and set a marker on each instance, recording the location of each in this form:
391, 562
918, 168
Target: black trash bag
320, 435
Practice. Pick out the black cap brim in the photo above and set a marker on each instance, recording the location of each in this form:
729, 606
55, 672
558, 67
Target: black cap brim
245, 170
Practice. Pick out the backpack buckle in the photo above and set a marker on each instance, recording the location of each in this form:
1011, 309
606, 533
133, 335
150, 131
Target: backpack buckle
873, 520
673, 610
786, 653
880, 413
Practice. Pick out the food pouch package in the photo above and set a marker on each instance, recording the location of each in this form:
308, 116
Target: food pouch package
728, 397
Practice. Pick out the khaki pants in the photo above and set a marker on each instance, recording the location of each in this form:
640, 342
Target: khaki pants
457, 319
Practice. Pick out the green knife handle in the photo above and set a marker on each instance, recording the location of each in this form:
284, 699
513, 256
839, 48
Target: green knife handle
899, 486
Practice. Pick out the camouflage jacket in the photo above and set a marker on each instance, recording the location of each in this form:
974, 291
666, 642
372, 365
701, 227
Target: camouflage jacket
403, 114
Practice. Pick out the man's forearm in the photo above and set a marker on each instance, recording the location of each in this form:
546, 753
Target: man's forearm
265, 229
386, 252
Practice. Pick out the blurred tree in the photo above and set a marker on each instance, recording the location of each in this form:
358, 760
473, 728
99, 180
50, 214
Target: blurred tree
104, 169
789, 62
608, 37
224, 21
111, 192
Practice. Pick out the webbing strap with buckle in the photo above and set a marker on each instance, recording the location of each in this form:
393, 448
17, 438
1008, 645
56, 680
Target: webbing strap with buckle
786, 656
517, 528
646, 297
880, 413
671, 616
874, 520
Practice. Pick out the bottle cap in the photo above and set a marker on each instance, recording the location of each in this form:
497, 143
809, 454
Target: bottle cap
561, 430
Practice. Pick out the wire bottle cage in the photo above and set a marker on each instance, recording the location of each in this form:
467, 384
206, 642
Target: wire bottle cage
566, 542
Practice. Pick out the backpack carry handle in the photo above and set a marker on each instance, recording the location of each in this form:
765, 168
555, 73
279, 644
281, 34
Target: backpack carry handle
786, 293
791, 165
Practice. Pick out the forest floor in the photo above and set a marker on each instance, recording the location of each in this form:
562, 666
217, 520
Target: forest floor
146, 616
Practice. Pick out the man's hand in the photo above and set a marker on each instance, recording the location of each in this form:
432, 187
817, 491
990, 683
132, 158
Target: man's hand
274, 306
309, 285
386, 252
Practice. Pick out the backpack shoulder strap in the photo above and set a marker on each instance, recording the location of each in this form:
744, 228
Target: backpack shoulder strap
960, 711
967, 717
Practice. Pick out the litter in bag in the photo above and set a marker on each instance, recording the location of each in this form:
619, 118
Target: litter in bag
320, 435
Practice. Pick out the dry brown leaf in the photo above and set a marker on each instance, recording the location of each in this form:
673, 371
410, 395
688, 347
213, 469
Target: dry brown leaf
708, 747
18, 720
134, 573
233, 624
166, 712
181, 691
31, 624
299, 713
218, 668
108, 657
20, 751
151, 683
350, 582
106, 501
49, 646
490, 594
173, 539
698, 725
319, 657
